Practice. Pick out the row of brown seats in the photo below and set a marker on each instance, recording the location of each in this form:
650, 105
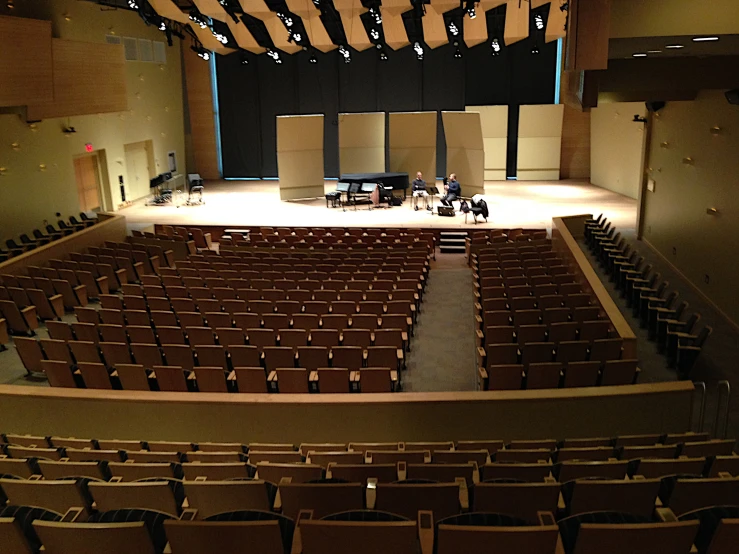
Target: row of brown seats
554, 332
203, 378
552, 375
40, 239
33, 352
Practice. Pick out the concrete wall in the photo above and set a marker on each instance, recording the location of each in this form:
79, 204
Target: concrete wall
32, 192
617, 147
703, 247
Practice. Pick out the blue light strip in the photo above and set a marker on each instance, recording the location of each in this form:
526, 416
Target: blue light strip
558, 73
216, 111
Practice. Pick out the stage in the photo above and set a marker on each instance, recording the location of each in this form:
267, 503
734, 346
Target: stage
530, 204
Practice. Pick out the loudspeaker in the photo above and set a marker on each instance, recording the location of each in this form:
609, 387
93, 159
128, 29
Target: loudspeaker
447, 211
655, 105
732, 96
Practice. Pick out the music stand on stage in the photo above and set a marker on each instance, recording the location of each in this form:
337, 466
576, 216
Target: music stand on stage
432, 191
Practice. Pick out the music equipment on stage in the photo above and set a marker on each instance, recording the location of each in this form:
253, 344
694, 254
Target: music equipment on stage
447, 211
397, 181
195, 187
432, 191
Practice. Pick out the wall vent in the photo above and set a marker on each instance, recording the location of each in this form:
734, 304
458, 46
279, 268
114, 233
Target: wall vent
130, 46
145, 50
160, 52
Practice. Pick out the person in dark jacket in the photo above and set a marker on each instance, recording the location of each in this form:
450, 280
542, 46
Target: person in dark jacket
453, 190
418, 188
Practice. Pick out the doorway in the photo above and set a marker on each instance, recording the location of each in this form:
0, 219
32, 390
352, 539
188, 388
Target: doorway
139, 164
87, 174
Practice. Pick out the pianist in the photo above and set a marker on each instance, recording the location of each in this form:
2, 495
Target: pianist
419, 190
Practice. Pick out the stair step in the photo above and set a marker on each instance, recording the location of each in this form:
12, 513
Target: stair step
451, 242
451, 249
452, 235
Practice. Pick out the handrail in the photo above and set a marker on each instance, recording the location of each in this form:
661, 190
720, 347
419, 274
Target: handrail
700, 388
722, 386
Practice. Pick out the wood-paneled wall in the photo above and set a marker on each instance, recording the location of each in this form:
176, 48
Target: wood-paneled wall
575, 155
25, 61
202, 139
87, 80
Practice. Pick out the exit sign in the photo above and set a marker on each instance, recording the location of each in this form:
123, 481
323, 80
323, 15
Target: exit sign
88, 147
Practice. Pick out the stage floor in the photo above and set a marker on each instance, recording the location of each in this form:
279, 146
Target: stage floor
530, 204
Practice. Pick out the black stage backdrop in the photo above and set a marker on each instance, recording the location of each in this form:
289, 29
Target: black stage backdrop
251, 96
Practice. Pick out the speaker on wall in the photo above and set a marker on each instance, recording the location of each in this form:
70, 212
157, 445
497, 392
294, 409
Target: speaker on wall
655, 105
732, 96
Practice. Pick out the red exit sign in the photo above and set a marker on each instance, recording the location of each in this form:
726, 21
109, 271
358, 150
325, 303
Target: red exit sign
88, 147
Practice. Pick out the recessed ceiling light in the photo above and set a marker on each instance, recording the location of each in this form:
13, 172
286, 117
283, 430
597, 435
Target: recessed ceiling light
675, 46
639, 55
705, 39
654, 51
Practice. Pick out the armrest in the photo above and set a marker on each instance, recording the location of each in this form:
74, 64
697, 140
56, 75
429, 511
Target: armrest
81, 292
122, 276
191, 248
188, 514
665, 514
313, 376
169, 258
272, 376
371, 493
29, 314
464, 495
297, 546
426, 531
72, 515
208, 241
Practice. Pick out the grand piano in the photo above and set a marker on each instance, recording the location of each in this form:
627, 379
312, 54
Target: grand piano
396, 181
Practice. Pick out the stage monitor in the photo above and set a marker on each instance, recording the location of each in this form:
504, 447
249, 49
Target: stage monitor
369, 187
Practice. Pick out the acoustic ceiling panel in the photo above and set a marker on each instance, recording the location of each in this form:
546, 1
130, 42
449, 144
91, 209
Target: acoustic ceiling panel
212, 8
243, 37
303, 8
206, 38
317, 33
516, 21
279, 34
395, 7
556, 24
475, 30
434, 31
168, 9
256, 8
394, 29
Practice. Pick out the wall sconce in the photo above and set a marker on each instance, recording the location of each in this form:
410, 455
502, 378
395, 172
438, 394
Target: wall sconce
664, 144
15, 146
42, 167
715, 130
141, 77
138, 96
148, 118
66, 16
111, 30
3, 171
33, 127
164, 135
688, 161
711, 211
161, 67
166, 109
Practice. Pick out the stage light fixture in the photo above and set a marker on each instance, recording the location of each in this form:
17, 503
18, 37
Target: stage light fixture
344, 51
376, 14
705, 39
457, 51
274, 55
297, 37
418, 49
675, 46
223, 39
374, 34
198, 19
201, 52
313, 59
162, 26
535, 50
539, 20
286, 19
383, 56
133, 5
453, 29
495, 45
470, 8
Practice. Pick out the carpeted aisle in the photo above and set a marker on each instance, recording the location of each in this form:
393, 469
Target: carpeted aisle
443, 349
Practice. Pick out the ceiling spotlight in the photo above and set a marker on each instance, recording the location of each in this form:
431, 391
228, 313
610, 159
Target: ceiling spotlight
453, 29
274, 55
376, 14
133, 5
374, 34
244, 58
201, 52
674, 46
639, 55
286, 19
317, 3
313, 59
535, 50
539, 20
162, 26
383, 56
457, 51
297, 37
219, 37
705, 39
344, 51
418, 49
195, 17
495, 45
654, 51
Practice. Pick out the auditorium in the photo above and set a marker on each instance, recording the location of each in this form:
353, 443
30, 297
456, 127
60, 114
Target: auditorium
360, 276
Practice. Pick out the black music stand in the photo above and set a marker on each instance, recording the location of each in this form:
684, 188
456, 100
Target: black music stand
432, 191
367, 190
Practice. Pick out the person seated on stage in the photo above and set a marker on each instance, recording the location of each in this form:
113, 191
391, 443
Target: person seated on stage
419, 189
453, 190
